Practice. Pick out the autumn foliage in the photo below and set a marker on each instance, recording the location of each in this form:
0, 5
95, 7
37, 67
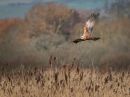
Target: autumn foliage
49, 29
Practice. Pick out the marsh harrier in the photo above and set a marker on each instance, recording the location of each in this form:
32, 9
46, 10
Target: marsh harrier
88, 29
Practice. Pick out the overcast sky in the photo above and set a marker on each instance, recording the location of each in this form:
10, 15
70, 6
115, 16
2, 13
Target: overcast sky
12, 11
3, 2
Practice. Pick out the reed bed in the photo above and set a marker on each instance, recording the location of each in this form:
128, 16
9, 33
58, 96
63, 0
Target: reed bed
64, 81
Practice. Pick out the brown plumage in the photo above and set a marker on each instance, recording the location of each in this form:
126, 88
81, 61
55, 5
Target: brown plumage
88, 29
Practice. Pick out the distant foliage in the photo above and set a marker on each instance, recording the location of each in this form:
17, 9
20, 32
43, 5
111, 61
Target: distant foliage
120, 8
52, 18
49, 29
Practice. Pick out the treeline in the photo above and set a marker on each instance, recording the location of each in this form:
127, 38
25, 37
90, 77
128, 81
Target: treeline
119, 8
52, 18
48, 30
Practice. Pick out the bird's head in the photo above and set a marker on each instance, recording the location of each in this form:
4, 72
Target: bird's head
95, 15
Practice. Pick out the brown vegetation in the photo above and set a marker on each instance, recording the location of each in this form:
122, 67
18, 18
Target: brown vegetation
52, 18
48, 29
66, 81
5, 24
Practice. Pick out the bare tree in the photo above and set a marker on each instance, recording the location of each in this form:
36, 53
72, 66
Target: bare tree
52, 18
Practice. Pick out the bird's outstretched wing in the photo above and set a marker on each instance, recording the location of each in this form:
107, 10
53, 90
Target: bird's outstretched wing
78, 40
91, 38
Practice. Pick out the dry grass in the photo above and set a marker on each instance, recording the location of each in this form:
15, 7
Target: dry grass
65, 81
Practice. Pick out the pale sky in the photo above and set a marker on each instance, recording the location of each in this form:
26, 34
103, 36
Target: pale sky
3, 2
20, 11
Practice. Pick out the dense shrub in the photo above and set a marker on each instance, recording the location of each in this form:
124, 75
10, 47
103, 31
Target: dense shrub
52, 18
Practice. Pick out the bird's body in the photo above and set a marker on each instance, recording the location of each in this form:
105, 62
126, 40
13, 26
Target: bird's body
88, 29
90, 23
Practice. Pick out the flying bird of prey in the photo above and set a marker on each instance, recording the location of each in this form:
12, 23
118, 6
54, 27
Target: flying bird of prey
88, 29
